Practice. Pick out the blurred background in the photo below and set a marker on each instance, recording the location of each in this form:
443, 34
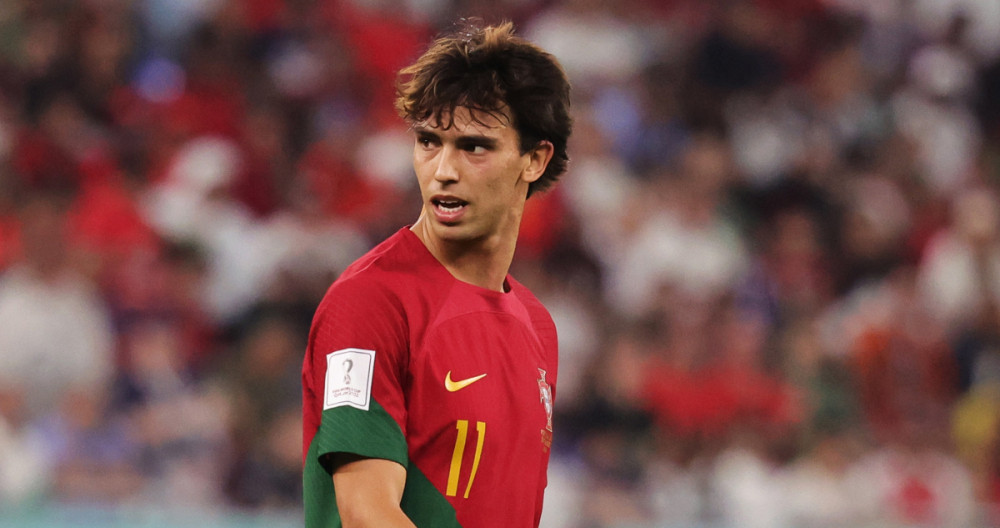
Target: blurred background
774, 262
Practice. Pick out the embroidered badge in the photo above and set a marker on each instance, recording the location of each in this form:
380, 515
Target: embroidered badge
545, 392
349, 378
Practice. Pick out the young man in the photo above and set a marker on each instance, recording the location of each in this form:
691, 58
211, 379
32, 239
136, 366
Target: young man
429, 377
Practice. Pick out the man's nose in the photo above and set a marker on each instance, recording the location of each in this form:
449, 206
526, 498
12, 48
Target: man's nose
447, 165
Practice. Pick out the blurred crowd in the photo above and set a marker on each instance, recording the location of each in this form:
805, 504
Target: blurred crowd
774, 262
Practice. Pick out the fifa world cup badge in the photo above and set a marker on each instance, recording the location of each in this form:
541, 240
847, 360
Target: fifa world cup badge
545, 392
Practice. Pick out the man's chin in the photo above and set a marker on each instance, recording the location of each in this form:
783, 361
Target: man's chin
457, 233
451, 231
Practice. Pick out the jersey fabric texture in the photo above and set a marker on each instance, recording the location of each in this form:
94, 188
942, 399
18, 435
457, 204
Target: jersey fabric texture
459, 390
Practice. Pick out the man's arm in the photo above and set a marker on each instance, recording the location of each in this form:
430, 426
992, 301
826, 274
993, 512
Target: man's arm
369, 491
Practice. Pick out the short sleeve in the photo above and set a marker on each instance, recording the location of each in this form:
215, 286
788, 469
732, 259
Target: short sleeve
354, 371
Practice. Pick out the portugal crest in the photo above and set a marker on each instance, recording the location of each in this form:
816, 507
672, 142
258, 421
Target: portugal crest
545, 394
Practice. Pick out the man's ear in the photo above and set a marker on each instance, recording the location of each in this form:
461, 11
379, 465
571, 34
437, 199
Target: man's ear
538, 160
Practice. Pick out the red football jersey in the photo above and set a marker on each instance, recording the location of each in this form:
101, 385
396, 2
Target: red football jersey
453, 381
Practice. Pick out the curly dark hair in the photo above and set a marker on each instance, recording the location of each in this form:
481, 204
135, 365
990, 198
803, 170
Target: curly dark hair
492, 71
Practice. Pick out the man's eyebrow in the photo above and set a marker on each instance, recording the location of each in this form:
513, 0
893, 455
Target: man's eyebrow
477, 139
423, 130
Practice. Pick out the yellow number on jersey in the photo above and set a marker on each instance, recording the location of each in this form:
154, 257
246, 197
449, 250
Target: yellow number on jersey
457, 455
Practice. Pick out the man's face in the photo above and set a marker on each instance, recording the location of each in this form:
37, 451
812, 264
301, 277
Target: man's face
473, 177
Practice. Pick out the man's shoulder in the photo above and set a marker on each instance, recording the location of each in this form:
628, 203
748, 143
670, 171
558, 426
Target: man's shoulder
540, 317
392, 256
387, 271
525, 295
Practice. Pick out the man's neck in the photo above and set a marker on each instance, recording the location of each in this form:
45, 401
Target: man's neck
481, 262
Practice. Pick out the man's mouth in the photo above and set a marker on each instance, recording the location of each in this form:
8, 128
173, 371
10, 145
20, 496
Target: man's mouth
449, 205
448, 210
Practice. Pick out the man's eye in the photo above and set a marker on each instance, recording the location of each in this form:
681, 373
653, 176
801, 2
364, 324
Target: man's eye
476, 149
425, 142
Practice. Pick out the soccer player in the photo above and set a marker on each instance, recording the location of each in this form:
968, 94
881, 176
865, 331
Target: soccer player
430, 372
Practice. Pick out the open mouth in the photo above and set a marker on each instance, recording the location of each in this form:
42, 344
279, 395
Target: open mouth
447, 209
449, 205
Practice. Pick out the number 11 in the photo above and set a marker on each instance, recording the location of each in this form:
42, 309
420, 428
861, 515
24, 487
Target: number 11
456, 457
